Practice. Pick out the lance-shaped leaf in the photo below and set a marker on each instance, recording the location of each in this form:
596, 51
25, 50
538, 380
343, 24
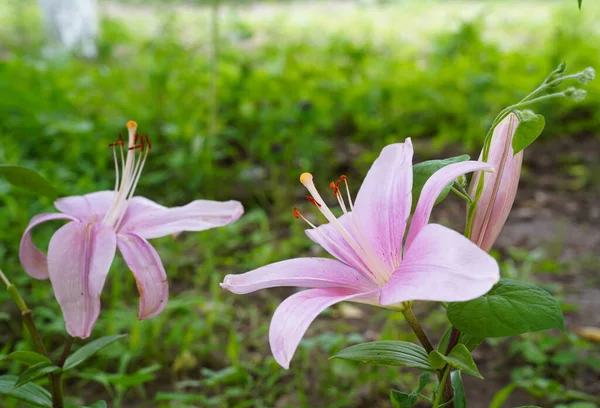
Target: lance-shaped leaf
27, 357
28, 179
510, 308
404, 400
459, 358
31, 393
460, 400
394, 353
34, 372
89, 350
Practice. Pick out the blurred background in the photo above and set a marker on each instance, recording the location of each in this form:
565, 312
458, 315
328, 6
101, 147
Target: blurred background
241, 97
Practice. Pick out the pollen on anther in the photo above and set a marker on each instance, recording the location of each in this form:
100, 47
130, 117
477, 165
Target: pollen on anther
313, 201
296, 213
343, 177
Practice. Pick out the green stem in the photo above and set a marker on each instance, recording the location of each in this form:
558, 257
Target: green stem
55, 385
440, 390
414, 323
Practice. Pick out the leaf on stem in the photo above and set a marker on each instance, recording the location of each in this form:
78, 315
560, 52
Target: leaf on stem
89, 350
30, 393
422, 171
460, 400
530, 128
459, 358
34, 372
394, 353
510, 308
28, 357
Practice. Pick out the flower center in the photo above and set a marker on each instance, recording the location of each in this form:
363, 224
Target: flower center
361, 250
138, 147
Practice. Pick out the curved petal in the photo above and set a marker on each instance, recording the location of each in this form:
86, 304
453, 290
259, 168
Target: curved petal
383, 203
441, 265
79, 257
89, 207
32, 259
325, 235
148, 271
296, 313
148, 221
300, 272
432, 189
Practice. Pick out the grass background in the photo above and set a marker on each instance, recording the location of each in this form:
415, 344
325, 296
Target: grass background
317, 86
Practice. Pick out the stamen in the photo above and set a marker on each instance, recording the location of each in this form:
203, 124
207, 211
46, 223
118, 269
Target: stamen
148, 142
313, 201
345, 180
296, 213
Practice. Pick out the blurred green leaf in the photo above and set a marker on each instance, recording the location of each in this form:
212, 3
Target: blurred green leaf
29, 393
459, 358
501, 396
99, 404
89, 350
36, 371
579, 3
395, 353
27, 357
511, 307
460, 399
424, 170
28, 179
530, 128
402, 399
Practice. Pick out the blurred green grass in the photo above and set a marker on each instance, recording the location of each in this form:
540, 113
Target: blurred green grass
313, 87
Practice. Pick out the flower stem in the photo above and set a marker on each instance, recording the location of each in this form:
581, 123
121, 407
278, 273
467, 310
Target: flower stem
26, 315
414, 323
438, 394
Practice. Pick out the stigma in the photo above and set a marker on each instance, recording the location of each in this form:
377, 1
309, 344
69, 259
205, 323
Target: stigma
128, 169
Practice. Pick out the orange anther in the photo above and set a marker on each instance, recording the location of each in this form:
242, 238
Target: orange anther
343, 178
148, 142
313, 201
296, 213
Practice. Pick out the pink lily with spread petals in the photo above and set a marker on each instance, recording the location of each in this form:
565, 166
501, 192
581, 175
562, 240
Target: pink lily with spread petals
374, 265
80, 253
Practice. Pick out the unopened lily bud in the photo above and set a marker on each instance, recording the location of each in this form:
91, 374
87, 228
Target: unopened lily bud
586, 75
500, 187
577, 95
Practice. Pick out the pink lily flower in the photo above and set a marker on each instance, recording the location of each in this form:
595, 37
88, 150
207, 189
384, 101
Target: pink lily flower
500, 188
80, 253
374, 265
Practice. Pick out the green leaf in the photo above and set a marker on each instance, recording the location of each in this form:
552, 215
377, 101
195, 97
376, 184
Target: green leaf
470, 342
28, 179
30, 393
34, 372
459, 358
443, 344
579, 3
422, 171
460, 400
395, 353
99, 404
501, 396
89, 350
402, 400
510, 308
530, 128
28, 357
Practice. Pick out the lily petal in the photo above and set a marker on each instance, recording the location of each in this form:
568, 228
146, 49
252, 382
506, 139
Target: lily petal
79, 257
441, 265
383, 203
299, 272
432, 189
32, 259
89, 207
326, 234
148, 271
149, 221
296, 313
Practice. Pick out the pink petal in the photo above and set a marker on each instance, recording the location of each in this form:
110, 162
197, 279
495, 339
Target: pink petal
441, 265
149, 274
300, 272
508, 168
432, 189
148, 221
89, 207
79, 257
32, 259
383, 203
326, 233
296, 313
